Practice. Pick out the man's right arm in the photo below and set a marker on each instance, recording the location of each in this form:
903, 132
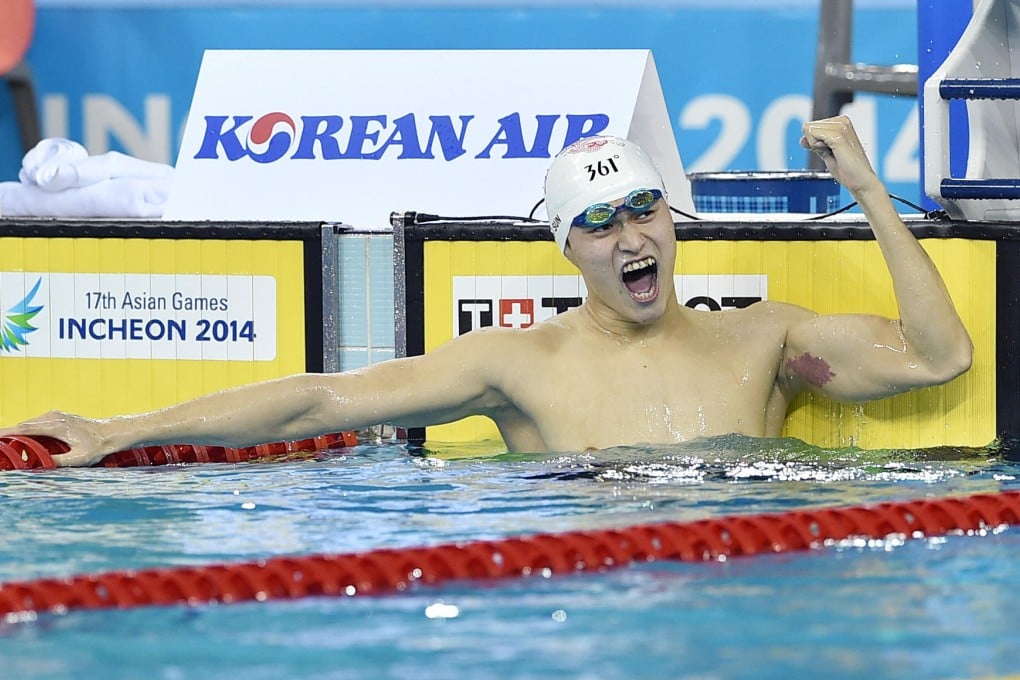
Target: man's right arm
857, 357
444, 385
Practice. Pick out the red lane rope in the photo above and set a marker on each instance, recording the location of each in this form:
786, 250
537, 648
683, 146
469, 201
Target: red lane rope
21, 452
384, 571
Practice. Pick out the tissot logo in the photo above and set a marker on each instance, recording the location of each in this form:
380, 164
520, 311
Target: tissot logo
277, 136
516, 313
522, 301
511, 312
520, 312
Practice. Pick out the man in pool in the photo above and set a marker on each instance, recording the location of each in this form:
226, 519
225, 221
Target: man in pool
629, 366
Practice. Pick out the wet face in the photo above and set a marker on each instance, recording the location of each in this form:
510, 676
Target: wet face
628, 263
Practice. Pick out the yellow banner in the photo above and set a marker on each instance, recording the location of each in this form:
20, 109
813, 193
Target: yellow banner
106, 326
480, 283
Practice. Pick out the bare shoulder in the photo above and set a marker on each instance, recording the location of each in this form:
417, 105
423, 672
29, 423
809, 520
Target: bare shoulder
781, 312
779, 316
507, 338
495, 346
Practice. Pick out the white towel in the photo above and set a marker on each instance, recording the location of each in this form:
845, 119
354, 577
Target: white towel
43, 161
92, 169
58, 178
112, 198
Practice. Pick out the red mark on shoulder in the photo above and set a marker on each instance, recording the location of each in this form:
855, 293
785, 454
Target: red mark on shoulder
812, 369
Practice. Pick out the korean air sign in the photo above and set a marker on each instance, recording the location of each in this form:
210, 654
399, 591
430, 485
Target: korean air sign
278, 136
352, 135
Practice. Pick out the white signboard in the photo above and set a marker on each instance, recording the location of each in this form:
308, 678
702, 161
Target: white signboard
521, 301
350, 136
138, 316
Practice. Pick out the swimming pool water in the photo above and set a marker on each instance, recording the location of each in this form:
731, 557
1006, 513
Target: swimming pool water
937, 608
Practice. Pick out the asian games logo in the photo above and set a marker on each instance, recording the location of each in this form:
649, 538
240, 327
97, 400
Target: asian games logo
17, 322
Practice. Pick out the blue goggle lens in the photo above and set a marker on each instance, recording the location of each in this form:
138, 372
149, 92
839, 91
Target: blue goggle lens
601, 214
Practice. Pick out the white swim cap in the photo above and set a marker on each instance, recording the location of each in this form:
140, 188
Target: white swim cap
594, 170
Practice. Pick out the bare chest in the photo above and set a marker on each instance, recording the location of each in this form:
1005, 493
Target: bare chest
655, 394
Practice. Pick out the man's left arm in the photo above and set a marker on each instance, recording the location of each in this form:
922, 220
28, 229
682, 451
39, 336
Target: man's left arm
857, 357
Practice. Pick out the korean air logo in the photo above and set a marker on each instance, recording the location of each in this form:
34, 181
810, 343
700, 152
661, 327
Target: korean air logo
17, 322
280, 136
265, 140
270, 137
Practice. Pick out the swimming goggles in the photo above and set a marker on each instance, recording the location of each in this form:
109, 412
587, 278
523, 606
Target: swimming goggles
602, 214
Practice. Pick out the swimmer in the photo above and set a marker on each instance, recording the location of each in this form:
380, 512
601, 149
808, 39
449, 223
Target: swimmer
629, 366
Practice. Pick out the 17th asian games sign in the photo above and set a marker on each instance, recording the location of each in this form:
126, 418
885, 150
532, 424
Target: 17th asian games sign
350, 136
137, 316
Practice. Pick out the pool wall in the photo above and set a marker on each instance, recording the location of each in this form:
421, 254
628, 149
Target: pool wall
456, 276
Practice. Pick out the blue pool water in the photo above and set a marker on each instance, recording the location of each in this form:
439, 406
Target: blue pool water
936, 608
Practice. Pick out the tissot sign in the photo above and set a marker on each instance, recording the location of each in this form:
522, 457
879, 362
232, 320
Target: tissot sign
522, 301
350, 136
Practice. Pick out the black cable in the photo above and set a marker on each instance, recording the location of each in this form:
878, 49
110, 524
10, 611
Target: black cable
834, 212
531, 215
908, 203
930, 214
678, 211
426, 217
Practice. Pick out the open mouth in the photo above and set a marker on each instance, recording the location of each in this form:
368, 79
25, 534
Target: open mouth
642, 279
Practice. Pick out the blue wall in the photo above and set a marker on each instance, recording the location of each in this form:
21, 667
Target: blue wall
736, 75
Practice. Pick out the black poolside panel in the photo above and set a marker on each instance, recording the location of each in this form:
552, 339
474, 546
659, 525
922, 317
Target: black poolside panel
312, 256
414, 305
1007, 344
150, 229
805, 230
